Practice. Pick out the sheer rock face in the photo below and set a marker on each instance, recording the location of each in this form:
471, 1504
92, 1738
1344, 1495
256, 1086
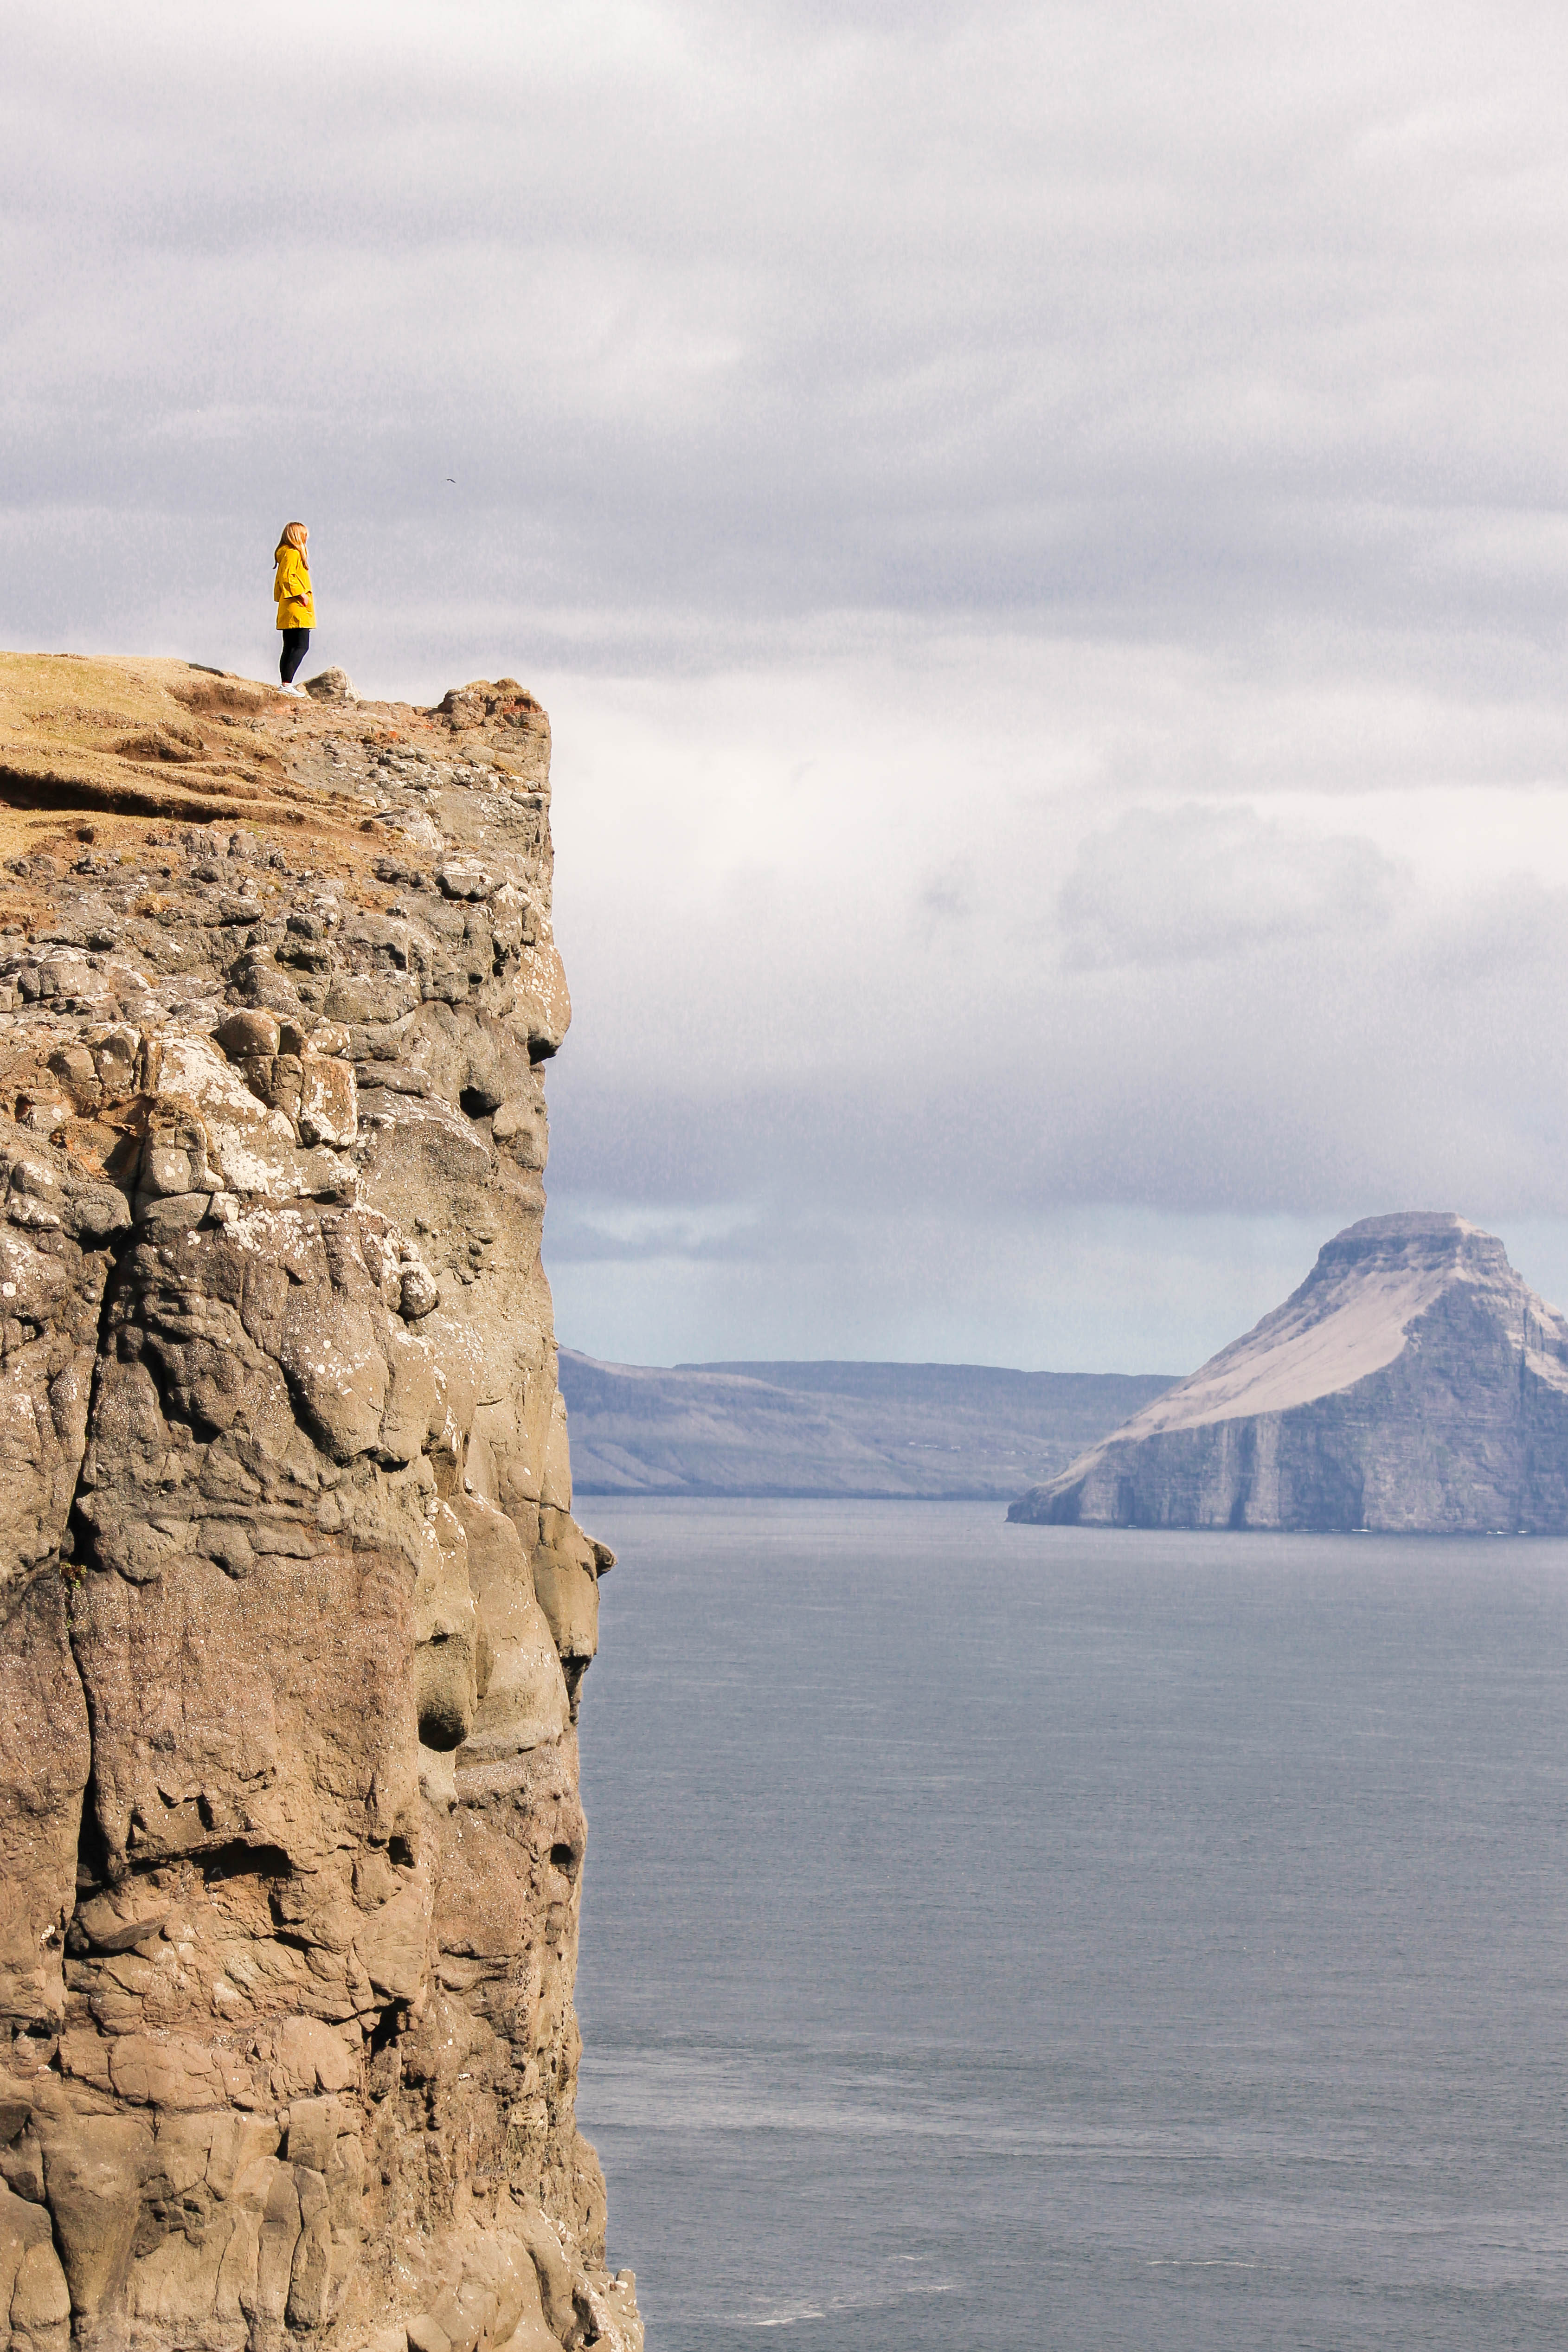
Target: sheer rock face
293, 1611
1412, 1384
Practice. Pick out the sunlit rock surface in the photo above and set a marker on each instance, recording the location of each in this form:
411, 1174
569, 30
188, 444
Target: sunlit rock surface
294, 1614
1412, 1382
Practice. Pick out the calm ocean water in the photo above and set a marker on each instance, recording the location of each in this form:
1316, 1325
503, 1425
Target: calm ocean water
1021, 1936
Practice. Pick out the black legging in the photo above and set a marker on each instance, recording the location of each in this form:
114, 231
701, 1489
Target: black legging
296, 644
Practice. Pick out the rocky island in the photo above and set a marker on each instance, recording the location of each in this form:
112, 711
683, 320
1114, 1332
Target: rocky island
294, 1614
1412, 1384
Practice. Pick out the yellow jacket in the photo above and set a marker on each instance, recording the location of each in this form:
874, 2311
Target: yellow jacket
291, 589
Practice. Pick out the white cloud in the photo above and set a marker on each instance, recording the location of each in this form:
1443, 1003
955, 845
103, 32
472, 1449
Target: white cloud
1192, 884
1043, 531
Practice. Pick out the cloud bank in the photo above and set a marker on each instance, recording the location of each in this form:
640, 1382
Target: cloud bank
1044, 532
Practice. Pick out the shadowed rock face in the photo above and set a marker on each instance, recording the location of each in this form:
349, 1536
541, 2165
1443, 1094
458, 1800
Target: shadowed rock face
1413, 1384
294, 1614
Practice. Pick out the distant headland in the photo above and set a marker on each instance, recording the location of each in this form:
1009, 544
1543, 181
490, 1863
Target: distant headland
1413, 1384
927, 1433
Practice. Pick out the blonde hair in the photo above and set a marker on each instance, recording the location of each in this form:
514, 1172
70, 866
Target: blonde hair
294, 535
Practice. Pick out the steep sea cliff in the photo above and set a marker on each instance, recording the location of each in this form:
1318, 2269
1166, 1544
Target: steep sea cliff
1413, 1384
294, 1614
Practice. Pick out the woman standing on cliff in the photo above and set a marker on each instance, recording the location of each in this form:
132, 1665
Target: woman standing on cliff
292, 593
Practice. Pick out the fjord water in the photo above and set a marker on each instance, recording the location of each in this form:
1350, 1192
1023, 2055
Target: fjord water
1002, 1936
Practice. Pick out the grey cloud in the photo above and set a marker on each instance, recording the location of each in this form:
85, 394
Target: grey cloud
1053, 313
1170, 886
1169, 400
1291, 1077
1092, 1289
947, 899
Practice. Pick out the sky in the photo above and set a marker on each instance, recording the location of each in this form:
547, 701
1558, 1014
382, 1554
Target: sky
1042, 531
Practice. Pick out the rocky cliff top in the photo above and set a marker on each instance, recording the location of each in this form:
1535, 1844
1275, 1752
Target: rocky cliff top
294, 1614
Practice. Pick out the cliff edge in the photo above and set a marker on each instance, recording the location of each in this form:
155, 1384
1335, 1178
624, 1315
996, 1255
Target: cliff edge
1412, 1384
294, 1614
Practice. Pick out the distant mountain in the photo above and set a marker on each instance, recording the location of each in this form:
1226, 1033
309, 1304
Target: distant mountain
1414, 1382
919, 1430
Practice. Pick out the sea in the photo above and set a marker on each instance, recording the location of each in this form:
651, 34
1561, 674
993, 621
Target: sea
1001, 1936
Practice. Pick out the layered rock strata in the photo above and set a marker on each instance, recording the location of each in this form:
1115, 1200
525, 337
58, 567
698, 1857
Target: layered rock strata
1412, 1384
294, 1614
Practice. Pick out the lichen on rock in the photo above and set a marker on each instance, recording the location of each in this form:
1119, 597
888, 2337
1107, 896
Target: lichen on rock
294, 1614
